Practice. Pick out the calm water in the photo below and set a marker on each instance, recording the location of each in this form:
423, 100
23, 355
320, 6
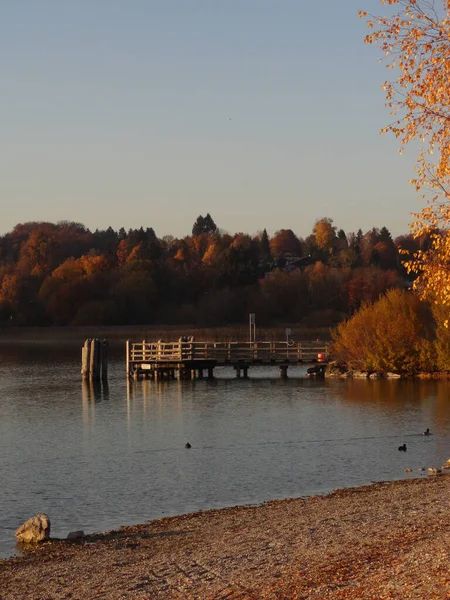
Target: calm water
98, 459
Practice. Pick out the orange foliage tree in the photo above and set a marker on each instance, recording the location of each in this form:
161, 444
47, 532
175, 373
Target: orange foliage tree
285, 242
415, 40
396, 333
325, 234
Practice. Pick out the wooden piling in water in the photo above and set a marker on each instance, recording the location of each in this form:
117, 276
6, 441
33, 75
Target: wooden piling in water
94, 370
85, 356
94, 360
104, 358
283, 371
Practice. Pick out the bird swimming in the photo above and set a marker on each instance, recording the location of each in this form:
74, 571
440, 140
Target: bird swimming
187, 445
402, 448
427, 432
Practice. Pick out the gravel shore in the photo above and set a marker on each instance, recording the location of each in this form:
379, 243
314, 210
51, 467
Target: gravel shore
386, 540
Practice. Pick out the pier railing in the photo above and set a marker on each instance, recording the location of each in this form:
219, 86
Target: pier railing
226, 352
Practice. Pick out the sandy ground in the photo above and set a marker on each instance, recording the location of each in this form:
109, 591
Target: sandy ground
387, 540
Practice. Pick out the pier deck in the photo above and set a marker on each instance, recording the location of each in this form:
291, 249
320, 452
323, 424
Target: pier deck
190, 359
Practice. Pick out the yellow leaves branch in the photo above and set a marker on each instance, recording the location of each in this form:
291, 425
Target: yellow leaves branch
416, 40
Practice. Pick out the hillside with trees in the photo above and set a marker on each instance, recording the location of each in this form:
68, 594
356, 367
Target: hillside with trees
65, 274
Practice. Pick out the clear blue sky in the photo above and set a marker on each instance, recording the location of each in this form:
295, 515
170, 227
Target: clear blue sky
151, 112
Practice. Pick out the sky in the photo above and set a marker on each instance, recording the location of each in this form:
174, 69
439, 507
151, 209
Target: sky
264, 113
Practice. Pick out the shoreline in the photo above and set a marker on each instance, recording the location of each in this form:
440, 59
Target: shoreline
121, 333
387, 539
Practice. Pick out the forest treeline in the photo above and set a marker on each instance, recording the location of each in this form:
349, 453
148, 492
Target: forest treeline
65, 274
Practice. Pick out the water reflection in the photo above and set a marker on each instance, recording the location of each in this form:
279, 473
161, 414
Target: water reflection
92, 392
99, 456
393, 392
428, 397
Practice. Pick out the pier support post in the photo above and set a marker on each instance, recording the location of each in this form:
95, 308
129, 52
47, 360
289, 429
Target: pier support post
85, 359
283, 371
238, 372
104, 355
245, 372
94, 360
210, 373
94, 367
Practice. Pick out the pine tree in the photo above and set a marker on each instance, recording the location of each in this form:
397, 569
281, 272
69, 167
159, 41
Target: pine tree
204, 225
265, 244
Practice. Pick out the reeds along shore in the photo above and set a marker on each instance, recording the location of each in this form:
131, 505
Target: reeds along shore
386, 540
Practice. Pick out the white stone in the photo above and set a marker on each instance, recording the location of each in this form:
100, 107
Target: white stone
360, 374
35, 530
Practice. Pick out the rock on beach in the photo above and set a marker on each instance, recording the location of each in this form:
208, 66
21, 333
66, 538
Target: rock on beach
35, 530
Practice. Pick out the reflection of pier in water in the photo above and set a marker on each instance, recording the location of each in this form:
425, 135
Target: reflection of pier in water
191, 359
94, 391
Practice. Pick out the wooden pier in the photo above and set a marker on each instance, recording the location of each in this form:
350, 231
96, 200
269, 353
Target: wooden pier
192, 359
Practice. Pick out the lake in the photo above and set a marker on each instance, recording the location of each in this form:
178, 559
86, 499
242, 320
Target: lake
95, 459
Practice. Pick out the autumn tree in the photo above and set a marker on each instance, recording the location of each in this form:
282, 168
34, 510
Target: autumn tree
18, 300
325, 234
283, 296
38, 254
72, 284
123, 251
285, 242
415, 40
396, 333
136, 294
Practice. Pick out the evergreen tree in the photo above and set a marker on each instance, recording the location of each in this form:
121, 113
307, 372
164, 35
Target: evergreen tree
151, 235
385, 236
358, 241
204, 225
341, 235
265, 244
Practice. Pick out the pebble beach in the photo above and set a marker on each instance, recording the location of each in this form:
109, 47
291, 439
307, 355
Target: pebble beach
382, 541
